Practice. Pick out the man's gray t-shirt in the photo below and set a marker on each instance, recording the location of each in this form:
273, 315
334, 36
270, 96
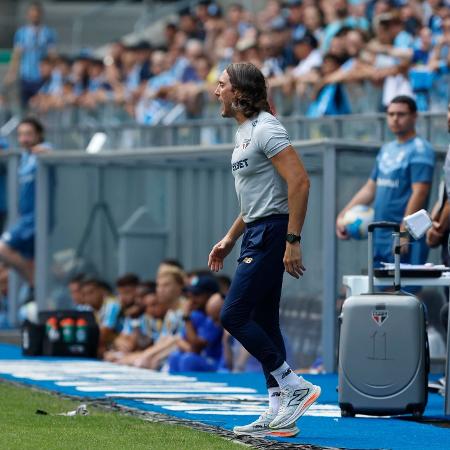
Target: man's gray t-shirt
260, 189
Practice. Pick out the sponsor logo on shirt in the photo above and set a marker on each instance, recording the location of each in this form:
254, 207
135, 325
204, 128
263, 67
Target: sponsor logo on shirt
240, 164
386, 182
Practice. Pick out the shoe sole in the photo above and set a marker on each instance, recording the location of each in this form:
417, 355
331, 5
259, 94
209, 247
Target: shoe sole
279, 433
284, 433
298, 413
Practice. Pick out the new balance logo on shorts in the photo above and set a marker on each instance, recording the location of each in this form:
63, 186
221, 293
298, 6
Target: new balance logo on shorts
298, 396
286, 373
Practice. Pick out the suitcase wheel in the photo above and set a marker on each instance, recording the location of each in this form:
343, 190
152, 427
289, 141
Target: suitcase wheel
347, 413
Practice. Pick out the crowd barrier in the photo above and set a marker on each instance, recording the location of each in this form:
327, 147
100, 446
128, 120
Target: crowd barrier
72, 127
360, 127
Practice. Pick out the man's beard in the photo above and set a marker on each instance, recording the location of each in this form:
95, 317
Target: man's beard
226, 113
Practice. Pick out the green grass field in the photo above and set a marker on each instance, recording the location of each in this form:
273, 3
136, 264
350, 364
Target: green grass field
21, 428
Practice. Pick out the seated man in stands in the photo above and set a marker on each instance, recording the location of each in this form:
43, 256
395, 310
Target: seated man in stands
98, 90
200, 345
132, 336
41, 100
76, 294
106, 310
126, 286
140, 333
169, 289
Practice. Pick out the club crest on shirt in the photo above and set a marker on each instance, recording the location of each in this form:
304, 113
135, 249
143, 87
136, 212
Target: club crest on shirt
389, 163
245, 143
248, 260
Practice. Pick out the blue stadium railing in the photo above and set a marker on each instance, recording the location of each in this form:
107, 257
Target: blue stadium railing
362, 127
72, 127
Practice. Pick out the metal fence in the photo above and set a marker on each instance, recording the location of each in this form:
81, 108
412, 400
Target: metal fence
363, 98
362, 128
9, 163
118, 211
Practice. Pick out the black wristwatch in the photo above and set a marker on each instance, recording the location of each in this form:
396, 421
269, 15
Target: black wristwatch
292, 238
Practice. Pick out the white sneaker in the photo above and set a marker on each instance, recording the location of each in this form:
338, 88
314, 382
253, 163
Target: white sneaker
260, 427
294, 401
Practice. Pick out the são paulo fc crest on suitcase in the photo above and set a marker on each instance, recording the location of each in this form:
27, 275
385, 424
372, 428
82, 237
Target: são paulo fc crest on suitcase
380, 317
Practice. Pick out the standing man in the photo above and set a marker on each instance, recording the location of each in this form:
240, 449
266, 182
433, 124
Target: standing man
272, 188
32, 43
442, 225
17, 243
399, 184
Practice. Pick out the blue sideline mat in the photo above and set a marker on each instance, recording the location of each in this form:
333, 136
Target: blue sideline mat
222, 400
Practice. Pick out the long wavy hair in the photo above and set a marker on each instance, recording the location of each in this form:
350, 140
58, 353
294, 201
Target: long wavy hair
250, 89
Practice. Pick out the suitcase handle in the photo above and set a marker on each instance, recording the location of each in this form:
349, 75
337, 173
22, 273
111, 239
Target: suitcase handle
383, 224
396, 235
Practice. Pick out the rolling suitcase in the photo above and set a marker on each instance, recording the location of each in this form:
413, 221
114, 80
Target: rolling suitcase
383, 348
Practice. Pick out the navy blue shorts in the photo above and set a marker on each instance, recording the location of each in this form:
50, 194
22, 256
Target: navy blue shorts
251, 309
20, 237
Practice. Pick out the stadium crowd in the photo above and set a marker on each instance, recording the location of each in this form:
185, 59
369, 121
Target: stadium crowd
303, 47
171, 323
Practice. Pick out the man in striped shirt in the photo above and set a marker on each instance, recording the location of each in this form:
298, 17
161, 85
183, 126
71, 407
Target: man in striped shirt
32, 43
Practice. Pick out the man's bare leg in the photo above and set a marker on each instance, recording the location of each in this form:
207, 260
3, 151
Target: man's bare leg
160, 345
130, 358
158, 359
13, 259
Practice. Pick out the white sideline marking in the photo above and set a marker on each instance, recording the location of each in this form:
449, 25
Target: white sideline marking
177, 393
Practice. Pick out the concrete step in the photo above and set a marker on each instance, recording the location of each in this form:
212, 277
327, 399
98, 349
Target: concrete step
10, 336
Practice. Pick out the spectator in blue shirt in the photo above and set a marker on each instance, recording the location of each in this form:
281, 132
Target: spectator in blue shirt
76, 294
200, 346
440, 58
156, 102
40, 101
116, 310
399, 184
32, 43
106, 308
17, 243
342, 18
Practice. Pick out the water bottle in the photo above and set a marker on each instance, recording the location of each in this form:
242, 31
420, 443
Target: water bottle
51, 328
68, 330
81, 332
